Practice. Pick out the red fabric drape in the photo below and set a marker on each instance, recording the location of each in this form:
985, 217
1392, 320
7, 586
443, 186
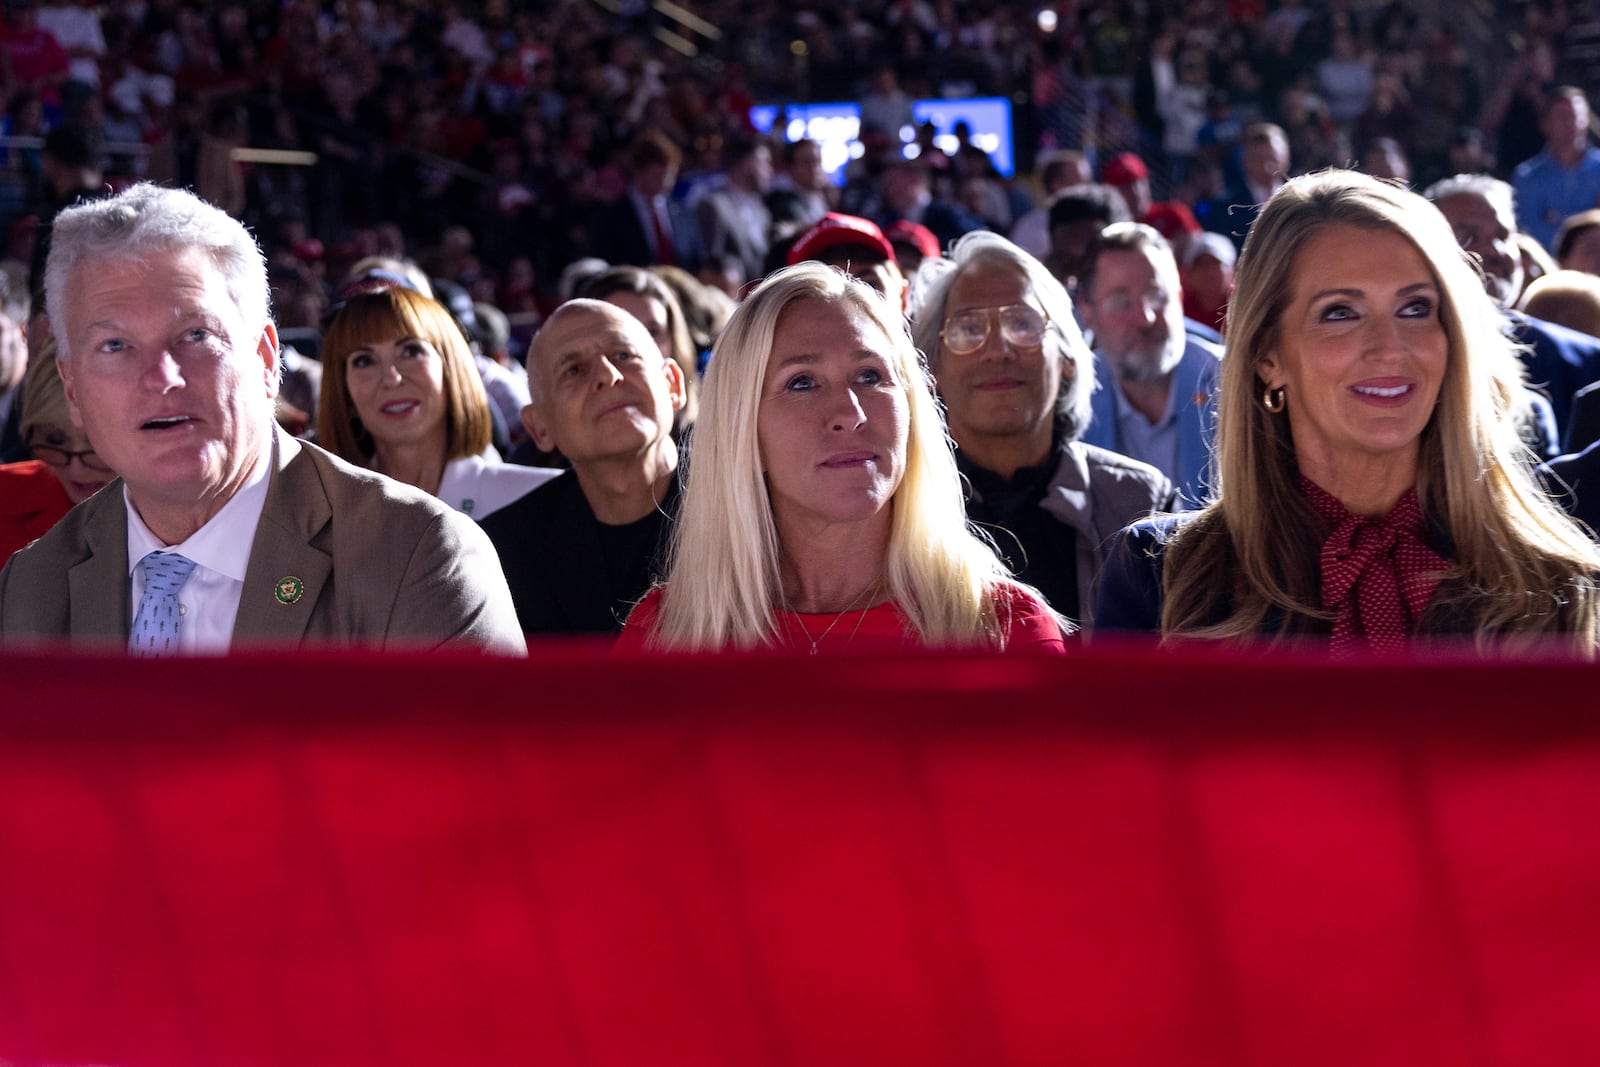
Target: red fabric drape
1110, 858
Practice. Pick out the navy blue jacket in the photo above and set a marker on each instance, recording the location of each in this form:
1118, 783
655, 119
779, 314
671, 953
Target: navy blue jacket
1129, 597
1584, 428
616, 235
1560, 362
1574, 480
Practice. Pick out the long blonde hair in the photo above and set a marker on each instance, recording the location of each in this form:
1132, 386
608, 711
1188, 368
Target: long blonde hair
1520, 566
723, 580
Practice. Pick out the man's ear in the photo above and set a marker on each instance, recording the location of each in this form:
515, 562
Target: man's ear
70, 386
267, 349
537, 430
676, 386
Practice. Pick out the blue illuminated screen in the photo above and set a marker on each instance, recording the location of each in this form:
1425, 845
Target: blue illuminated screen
989, 117
836, 127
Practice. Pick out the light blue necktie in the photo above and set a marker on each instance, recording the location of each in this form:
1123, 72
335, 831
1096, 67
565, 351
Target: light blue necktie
155, 627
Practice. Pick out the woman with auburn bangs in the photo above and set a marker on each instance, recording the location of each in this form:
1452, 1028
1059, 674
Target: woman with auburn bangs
400, 394
1373, 490
821, 507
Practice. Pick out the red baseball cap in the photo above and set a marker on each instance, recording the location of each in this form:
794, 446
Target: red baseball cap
917, 236
834, 230
1171, 218
1124, 169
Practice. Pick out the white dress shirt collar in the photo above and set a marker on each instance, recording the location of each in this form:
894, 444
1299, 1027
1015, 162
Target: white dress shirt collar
221, 552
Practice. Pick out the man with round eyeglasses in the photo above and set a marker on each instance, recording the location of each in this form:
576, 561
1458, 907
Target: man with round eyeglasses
1019, 325
1016, 378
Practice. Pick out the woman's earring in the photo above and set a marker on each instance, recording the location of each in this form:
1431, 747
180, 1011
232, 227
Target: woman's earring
1273, 400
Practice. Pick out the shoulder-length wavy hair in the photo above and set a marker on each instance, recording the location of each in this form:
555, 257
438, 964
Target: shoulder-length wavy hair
1520, 566
388, 315
982, 250
723, 579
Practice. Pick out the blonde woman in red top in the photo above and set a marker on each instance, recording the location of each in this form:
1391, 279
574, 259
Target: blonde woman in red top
821, 508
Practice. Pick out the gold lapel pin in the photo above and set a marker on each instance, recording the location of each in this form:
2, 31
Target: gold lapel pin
288, 590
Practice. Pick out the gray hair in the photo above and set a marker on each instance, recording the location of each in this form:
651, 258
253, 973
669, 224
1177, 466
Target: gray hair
1130, 237
146, 219
1501, 196
982, 250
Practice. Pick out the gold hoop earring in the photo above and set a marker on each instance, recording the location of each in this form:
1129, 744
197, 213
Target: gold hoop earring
1273, 400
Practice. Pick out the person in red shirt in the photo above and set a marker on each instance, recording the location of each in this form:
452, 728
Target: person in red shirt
64, 471
33, 56
825, 511
31, 501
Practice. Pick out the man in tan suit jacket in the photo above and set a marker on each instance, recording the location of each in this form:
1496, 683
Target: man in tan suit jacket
415, 582
158, 302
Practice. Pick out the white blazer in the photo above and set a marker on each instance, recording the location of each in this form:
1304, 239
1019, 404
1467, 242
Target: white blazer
481, 485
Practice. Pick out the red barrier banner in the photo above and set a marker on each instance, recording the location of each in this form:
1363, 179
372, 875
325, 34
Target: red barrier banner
1116, 857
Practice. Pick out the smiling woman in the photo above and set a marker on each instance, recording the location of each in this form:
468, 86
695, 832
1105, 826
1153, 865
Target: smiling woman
400, 394
1373, 490
843, 527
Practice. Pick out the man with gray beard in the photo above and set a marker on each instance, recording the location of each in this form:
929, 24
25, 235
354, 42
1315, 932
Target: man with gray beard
1156, 399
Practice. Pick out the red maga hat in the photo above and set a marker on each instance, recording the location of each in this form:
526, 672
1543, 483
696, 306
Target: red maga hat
834, 230
1124, 169
917, 236
1171, 218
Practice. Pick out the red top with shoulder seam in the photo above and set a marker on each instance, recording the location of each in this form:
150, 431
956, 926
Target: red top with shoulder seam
1030, 627
31, 501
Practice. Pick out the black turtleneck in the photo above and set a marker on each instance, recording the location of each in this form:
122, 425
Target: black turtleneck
1039, 549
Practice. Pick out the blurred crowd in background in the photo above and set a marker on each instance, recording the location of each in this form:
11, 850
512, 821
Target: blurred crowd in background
484, 140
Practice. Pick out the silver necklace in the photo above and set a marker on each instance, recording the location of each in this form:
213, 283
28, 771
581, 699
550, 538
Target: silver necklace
817, 640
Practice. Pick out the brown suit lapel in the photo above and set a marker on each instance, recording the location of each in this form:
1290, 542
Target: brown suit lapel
97, 585
287, 573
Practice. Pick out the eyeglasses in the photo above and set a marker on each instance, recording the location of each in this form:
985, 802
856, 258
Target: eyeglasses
1021, 325
1121, 302
61, 457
